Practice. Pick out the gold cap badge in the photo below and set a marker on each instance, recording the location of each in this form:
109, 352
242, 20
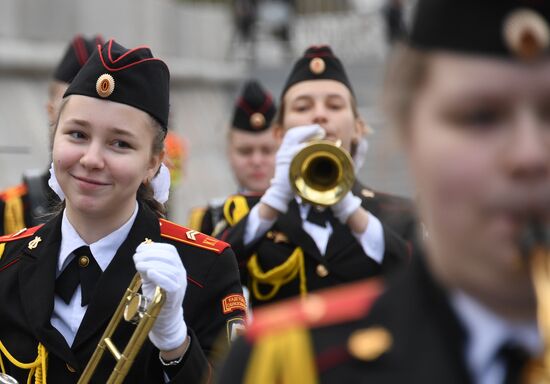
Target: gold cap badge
526, 33
105, 85
257, 120
368, 344
317, 65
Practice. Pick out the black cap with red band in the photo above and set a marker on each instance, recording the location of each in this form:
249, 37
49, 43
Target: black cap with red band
317, 63
254, 109
127, 76
76, 54
509, 28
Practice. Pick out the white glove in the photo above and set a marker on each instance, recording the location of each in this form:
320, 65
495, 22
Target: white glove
344, 208
159, 264
280, 192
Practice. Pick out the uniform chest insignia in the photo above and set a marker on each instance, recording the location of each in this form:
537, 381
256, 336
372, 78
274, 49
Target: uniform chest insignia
147, 241
234, 302
34, 242
235, 328
368, 344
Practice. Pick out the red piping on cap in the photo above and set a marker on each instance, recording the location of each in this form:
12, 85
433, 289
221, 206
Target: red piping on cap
80, 50
122, 56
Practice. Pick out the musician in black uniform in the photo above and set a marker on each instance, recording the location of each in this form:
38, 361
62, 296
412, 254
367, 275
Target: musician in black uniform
286, 247
61, 282
251, 153
471, 105
27, 204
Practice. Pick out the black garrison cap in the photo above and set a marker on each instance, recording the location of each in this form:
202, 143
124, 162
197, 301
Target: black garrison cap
76, 54
254, 109
128, 76
512, 28
317, 63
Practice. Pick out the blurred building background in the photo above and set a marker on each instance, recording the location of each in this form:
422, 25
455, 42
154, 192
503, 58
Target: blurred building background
208, 59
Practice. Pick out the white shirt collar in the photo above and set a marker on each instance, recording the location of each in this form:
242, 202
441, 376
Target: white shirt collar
103, 250
487, 332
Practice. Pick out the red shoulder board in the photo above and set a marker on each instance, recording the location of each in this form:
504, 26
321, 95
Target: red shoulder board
190, 236
21, 234
332, 306
17, 191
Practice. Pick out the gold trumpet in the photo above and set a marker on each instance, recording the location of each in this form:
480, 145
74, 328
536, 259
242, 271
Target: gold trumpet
536, 246
322, 173
137, 309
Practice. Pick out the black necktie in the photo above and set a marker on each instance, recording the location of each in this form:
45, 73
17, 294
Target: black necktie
515, 360
83, 270
319, 217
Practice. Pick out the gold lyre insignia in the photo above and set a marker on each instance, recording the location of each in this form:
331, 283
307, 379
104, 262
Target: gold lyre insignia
34, 242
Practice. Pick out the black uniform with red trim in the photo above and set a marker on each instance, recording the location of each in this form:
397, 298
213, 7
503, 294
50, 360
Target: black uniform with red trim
344, 261
213, 303
27, 204
253, 113
409, 334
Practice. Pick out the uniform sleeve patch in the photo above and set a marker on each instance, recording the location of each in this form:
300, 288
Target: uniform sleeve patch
233, 303
235, 328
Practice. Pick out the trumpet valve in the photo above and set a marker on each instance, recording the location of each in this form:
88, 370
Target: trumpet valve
135, 308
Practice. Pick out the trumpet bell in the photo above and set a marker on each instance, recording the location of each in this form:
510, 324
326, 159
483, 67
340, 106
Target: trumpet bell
322, 173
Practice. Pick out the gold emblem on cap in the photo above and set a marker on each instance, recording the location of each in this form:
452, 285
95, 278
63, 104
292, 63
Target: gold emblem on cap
105, 85
368, 344
257, 120
317, 65
526, 33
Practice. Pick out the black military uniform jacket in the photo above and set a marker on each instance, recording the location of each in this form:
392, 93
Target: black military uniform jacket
344, 260
34, 199
426, 338
27, 281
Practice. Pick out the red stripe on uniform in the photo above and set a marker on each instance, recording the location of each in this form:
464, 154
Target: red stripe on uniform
9, 264
195, 282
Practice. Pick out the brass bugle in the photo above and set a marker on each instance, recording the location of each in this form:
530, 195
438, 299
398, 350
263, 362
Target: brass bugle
536, 248
322, 173
134, 308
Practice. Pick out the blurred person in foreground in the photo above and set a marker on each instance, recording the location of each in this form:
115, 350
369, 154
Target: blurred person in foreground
251, 149
288, 247
27, 204
472, 108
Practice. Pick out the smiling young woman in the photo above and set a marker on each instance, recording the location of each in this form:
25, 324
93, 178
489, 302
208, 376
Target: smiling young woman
61, 282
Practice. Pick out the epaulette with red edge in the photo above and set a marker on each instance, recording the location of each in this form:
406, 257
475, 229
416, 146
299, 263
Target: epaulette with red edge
21, 234
190, 236
322, 308
16, 191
